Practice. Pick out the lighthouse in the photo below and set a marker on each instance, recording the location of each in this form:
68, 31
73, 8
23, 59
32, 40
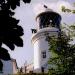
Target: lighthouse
48, 24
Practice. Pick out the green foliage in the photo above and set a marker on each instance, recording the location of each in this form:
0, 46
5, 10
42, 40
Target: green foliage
64, 9
70, 29
63, 63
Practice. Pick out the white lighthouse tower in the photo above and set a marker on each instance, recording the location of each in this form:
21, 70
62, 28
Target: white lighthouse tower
48, 23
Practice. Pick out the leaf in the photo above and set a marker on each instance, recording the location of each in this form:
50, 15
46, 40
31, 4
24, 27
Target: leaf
73, 11
10, 31
13, 3
4, 55
1, 1
1, 66
63, 8
9, 44
26, 1
72, 27
18, 41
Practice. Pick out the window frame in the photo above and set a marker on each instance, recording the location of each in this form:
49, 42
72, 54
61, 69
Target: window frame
44, 55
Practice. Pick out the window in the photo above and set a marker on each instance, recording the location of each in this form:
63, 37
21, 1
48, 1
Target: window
44, 54
42, 69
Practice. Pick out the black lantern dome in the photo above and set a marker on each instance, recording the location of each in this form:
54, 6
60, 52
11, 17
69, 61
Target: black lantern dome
48, 18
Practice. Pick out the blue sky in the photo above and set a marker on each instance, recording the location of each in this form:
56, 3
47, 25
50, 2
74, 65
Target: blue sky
27, 20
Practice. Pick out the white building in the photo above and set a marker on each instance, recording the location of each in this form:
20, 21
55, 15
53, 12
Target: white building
48, 24
9, 67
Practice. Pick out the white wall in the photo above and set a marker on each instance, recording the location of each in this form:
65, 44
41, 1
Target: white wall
40, 44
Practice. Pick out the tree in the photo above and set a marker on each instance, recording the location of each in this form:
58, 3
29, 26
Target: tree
64, 9
10, 31
63, 54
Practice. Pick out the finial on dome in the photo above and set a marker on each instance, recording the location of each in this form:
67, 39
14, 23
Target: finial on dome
45, 6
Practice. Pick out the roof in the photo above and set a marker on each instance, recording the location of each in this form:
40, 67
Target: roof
47, 11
